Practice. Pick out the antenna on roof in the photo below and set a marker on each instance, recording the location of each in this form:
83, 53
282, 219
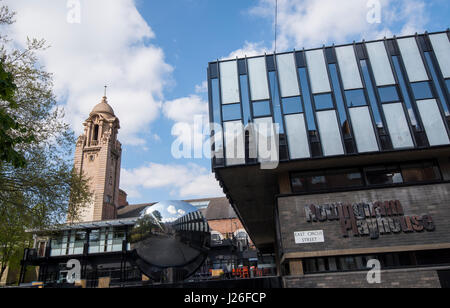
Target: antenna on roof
276, 24
105, 91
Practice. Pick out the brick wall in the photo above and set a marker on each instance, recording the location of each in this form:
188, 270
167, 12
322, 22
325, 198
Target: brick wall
416, 200
408, 278
225, 226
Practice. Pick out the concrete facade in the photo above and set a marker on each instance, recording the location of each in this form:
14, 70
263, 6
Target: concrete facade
98, 156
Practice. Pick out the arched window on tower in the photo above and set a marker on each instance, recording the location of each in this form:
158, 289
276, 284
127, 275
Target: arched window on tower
96, 128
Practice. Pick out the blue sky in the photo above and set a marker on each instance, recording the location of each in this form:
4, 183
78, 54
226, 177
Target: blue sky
154, 54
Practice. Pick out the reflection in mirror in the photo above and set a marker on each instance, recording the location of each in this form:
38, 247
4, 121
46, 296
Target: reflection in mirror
388, 94
422, 90
169, 241
292, 105
355, 98
261, 109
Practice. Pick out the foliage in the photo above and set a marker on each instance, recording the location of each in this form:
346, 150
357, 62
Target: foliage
38, 186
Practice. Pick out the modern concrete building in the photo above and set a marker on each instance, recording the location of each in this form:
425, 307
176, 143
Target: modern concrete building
362, 167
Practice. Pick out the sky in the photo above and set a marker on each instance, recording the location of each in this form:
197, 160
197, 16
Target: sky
153, 56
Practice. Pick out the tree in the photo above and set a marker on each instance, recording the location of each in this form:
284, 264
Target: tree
38, 186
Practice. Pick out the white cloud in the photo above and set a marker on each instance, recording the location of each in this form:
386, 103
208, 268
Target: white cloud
185, 181
110, 46
191, 126
312, 23
202, 88
249, 50
172, 210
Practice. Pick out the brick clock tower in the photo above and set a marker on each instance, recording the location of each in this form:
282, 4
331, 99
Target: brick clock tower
98, 155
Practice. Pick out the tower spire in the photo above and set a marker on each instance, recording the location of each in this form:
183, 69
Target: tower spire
105, 90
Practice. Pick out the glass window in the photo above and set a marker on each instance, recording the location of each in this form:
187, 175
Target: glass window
433, 123
383, 175
94, 241
405, 93
355, 98
412, 59
234, 143
297, 136
276, 101
231, 112
287, 73
339, 99
422, 90
317, 69
381, 66
437, 84
323, 101
413, 173
398, 126
344, 178
448, 85
316, 182
245, 99
218, 143
229, 82
292, 105
261, 109
266, 133
366, 140
348, 67
213, 70
299, 183
259, 86
441, 47
371, 92
388, 94
329, 133
307, 99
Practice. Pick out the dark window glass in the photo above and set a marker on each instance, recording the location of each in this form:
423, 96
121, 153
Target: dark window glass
436, 83
231, 112
422, 90
216, 101
276, 100
316, 182
425, 172
213, 70
388, 94
270, 63
300, 58
245, 99
344, 178
292, 105
330, 55
261, 109
383, 175
323, 101
448, 85
298, 183
242, 67
355, 98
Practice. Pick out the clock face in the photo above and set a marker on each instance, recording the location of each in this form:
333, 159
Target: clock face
171, 238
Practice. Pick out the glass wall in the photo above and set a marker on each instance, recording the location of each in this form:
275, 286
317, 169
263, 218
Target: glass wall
338, 100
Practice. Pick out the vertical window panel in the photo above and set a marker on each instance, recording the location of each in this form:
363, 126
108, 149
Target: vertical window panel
297, 136
412, 59
351, 77
229, 82
287, 73
317, 69
398, 126
433, 123
329, 133
234, 143
259, 86
264, 129
380, 64
363, 130
441, 47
